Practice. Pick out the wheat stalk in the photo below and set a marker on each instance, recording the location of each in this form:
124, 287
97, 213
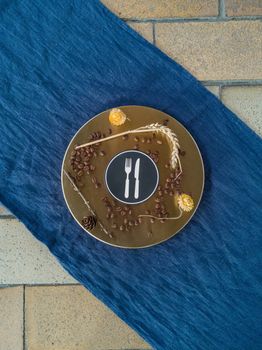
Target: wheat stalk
171, 137
157, 128
72, 182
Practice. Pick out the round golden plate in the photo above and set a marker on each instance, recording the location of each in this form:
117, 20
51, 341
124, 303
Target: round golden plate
146, 234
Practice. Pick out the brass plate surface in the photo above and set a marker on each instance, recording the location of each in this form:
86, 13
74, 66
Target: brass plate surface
146, 234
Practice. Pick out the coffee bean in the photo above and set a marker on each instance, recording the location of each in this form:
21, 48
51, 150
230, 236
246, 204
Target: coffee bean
125, 221
167, 165
80, 173
159, 142
152, 220
157, 206
140, 220
123, 213
162, 221
159, 188
160, 193
136, 147
109, 131
143, 140
102, 153
92, 167
124, 137
94, 180
114, 225
122, 227
154, 135
165, 191
112, 215
182, 153
171, 193
147, 212
118, 208
97, 185
107, 215
166, 185
165, 122
126, 208
148, 140
157, 200
136, 139
168, 180
136, 222
130, 223
95, 154
130, 212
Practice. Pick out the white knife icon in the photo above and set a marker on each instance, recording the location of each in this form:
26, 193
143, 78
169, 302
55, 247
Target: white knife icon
137, 169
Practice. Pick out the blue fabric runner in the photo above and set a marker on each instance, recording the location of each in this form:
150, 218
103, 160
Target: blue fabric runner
61, 63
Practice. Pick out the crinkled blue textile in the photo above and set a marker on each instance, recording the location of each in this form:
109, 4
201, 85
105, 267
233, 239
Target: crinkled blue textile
61, 63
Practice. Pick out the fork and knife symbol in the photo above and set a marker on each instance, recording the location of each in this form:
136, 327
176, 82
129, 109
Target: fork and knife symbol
128, 169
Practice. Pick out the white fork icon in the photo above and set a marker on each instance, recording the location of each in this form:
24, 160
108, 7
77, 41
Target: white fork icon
128, 167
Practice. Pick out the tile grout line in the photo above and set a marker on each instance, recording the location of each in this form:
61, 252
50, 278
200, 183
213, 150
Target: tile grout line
24, 345
221, 9
154, 33
220, 92
218, 19
39, 285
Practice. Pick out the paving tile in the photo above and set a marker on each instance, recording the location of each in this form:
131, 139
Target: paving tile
246, 102
214, 90
11, 320
243, 7
214, 51
24, 260
145, 29
162, 8
69, 317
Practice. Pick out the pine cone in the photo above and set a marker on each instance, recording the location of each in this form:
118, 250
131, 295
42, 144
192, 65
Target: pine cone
89, 222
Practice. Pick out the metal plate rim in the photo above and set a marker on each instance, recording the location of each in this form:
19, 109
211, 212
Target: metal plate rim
150, 245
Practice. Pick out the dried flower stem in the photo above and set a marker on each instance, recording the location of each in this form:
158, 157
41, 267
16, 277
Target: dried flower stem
163, 218
86, 202
113, 137
157, 128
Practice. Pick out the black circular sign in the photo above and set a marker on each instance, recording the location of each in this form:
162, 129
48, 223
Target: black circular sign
131, 177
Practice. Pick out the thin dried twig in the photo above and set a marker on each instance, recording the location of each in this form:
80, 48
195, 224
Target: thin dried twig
72, 182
